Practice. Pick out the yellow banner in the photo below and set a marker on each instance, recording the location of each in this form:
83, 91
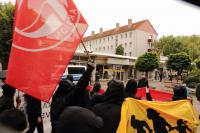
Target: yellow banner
139, 116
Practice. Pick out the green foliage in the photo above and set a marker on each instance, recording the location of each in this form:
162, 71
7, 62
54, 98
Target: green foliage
171, 45
179, 62
120, 50
147, 62
6, 23
193, 79
197, 62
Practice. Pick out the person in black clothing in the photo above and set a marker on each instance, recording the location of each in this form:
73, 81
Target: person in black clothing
7, 99
69, 94
12, 121
131, 89
70, 78
34, 111
161, 76
143, 82
78, 120
180, 93
94, 95
110, 108
198, 92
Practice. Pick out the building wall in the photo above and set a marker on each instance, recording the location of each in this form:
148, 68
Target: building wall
135, 43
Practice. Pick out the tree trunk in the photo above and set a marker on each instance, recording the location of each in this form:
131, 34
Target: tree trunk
146, 75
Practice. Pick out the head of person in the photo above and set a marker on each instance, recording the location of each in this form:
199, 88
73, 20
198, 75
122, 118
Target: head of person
180, 93
8, 90
131, 88
78, 120
96, 87
64, 87
115, 91
70, 78
13, 120
198, 92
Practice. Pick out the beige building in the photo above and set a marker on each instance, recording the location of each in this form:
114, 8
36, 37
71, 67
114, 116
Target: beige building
136, 38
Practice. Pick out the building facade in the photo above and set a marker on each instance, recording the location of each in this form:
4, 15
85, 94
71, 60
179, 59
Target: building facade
135, 38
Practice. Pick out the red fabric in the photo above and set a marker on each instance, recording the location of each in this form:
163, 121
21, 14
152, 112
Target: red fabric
45, 37
156, 95
101, 91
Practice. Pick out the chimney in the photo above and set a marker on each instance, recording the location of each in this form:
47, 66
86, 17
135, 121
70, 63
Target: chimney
130, 23
92, 33
100, 30
117, 26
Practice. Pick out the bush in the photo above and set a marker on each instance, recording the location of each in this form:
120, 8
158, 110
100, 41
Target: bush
193, 79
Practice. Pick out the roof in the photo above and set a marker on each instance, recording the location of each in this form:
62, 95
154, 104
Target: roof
121, 29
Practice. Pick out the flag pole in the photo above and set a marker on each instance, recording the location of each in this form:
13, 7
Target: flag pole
87, 52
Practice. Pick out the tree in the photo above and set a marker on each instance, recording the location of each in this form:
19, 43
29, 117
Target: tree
120, 50
179, 62
170, 45
147, 62
6, 23
197, 62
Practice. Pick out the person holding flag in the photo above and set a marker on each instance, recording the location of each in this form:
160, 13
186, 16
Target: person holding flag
68, 94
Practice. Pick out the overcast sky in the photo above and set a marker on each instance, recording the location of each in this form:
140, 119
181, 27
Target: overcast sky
169, 17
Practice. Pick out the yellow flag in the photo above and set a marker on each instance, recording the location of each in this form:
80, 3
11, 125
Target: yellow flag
138, 116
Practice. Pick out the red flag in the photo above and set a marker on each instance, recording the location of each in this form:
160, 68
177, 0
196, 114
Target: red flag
45, 36
156, 95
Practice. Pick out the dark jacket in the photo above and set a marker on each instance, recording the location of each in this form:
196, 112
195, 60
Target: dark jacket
78, 120
7, 99
143, 82
110, 108
33, 106
69, 94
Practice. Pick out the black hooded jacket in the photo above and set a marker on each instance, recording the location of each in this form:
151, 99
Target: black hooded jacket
33, 107
110, 108
78, 120
6, 100
69, 94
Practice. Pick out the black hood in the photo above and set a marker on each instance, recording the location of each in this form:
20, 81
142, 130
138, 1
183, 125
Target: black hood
180, 93
78, 120
131, 88
8, 90
64, 87
115, 91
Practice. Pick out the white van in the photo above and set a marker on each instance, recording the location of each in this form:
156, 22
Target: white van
75, 70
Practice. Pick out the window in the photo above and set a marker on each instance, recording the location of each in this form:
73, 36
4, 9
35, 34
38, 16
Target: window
121, 35
99, 40
125, 45
125, 35
99, 49
108, 38
125, 54
130, 34
130, 44
104, 49
130, 54
116, 36
111, 37
111, 47
104, 39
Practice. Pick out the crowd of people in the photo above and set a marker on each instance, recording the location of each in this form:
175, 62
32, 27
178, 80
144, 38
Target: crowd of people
74, 109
